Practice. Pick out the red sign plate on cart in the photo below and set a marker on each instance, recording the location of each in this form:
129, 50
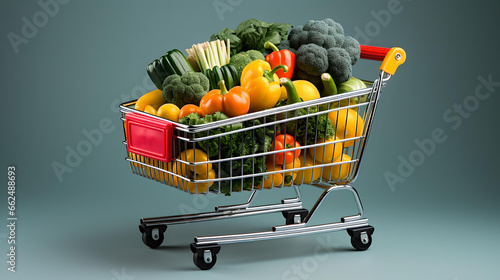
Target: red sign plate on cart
149, 137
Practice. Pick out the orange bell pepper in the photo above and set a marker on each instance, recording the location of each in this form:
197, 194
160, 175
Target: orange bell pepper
234, 102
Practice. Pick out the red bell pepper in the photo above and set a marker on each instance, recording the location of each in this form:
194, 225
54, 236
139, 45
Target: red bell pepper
277, 57
284, 142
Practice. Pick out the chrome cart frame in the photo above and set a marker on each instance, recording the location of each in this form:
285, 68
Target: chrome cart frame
192, 176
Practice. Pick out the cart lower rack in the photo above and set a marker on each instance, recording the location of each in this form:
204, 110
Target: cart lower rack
324, 140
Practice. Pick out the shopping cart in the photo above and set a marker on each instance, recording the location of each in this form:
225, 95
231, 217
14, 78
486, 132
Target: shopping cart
239, 154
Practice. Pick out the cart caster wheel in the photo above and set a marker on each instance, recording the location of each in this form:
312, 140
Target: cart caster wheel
295, 216
361, 238
152, 236
205, 256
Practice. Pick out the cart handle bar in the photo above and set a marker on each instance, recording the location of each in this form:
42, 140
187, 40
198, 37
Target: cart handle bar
391, 58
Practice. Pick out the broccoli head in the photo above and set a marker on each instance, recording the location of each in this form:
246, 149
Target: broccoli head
321, 46
186, 89
240, 60
339, 65
324, 33
285, 45
351, 45
312, 59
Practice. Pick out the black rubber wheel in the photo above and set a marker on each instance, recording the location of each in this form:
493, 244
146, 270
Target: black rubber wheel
151, 242
358, 244
199, 260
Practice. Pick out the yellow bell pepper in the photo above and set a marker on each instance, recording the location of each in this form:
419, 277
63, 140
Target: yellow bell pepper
290, 176
262, 84
307, 176
185, 185
327, 153
272, 180
153, 98
195, 155
338, 172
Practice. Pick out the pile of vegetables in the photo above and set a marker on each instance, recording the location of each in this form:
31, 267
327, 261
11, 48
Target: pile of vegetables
231, 76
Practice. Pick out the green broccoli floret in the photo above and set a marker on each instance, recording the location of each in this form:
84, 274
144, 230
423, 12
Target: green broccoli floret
312, 59
339, 65
285, 45
240, 60
351, 46
321, 42
324, 33
186, 89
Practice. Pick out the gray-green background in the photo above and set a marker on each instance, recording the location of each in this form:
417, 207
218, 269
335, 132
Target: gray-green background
440, 223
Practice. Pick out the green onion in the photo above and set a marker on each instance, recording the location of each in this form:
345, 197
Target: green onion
207, 55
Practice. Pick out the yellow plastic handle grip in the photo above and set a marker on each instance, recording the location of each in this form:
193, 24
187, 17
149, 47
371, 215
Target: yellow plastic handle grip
395, 57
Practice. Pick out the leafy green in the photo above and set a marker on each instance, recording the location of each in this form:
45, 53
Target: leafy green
230, 34
313, 127
252, 34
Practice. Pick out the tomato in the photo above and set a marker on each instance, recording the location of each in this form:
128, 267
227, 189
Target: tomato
188, 109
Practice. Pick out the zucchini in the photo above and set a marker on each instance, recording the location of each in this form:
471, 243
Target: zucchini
227, 73
173, 62
228, 78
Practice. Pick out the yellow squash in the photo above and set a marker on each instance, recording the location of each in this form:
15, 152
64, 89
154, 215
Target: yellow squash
153, 98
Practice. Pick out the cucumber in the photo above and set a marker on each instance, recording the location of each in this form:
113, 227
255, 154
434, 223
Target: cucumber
228, 78
173, 62
234, 74
227, 73
218, 76
152, 75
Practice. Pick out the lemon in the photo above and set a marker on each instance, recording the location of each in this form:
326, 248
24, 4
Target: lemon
169, 111
306, 90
